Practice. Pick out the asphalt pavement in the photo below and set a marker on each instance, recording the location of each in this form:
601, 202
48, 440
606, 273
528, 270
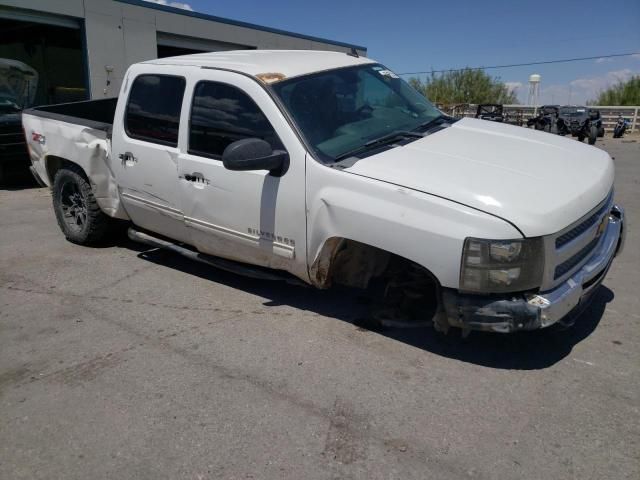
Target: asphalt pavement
121, 362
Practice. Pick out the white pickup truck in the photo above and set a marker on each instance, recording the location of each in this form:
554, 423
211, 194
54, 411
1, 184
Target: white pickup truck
328, 168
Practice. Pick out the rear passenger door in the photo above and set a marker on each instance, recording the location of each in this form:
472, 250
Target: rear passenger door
250, 216
145, 150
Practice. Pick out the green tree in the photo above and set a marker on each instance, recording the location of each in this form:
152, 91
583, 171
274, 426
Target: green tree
620, 94
464, 86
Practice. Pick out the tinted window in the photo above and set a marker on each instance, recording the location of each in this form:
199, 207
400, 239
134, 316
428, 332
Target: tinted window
153, 111
222, 114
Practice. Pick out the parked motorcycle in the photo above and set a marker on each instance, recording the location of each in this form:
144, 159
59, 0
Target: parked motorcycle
620, 128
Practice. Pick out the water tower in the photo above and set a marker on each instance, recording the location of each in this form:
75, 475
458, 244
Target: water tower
534, 91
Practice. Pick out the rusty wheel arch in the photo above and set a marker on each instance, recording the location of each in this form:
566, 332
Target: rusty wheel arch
403, 288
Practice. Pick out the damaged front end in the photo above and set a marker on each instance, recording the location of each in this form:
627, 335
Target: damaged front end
504, 315
560, 305
400, 293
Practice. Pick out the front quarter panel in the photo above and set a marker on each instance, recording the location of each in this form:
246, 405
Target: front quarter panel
423, 228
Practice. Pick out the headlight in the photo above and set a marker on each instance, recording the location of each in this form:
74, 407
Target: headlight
500, 266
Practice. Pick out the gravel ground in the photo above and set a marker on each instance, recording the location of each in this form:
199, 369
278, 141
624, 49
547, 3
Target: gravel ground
118, 362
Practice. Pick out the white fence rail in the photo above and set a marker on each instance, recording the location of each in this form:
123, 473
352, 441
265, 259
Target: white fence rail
524, 112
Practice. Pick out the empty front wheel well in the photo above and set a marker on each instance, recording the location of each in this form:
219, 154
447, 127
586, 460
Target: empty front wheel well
400, 289
355, 264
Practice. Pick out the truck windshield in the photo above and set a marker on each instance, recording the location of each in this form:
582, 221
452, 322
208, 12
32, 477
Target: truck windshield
340, 110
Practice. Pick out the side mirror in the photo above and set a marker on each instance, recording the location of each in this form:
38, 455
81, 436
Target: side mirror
255, 154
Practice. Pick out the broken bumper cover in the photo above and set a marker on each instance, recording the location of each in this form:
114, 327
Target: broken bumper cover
530, 312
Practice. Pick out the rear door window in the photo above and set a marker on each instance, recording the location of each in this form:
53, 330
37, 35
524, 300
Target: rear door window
153, 109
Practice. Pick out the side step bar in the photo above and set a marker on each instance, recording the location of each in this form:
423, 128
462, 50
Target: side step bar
226, 265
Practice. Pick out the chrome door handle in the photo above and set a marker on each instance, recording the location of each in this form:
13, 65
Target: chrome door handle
127, 157
196, 177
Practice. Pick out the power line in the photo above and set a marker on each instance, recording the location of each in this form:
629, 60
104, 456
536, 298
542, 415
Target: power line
524, 64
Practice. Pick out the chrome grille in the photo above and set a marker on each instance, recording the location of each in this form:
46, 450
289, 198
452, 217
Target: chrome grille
567, 265
582, 227
570, 248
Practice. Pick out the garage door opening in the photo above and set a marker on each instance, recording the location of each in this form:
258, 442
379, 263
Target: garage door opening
165, 51
170, 45
40, 64
54, 52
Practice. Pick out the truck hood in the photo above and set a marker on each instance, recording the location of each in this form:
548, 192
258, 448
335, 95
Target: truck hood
539, 182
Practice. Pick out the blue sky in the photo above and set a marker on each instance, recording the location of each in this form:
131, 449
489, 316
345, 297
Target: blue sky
411, 36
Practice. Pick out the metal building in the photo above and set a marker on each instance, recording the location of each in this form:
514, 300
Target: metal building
81, 48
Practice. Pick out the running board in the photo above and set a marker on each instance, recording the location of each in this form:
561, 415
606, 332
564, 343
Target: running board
258, 273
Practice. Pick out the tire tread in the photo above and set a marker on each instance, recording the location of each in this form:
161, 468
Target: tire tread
98, 222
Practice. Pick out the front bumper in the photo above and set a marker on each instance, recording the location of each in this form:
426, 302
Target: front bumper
533, 311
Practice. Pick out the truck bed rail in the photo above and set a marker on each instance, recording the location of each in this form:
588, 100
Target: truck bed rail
96, 114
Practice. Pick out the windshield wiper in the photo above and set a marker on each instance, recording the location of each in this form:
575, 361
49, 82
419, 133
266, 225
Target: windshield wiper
388, 138
434, 121
393, 136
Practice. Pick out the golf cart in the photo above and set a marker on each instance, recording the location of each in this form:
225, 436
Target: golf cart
546, 119
581, 122
596, 114
490, 111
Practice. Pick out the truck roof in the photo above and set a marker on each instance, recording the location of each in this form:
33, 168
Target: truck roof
278, 64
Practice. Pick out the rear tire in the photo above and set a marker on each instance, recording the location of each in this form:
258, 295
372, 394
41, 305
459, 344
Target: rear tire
581, 138
77, 211
593, 135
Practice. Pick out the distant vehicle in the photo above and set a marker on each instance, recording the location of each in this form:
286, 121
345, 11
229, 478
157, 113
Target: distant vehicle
490, 111
18, 84
596, 112
621, 127
546, 119
581, 122
514, 117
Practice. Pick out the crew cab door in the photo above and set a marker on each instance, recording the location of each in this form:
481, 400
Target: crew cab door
145, 149
249, 216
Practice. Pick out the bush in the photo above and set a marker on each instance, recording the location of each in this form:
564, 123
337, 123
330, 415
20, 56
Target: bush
622, 94
464, 86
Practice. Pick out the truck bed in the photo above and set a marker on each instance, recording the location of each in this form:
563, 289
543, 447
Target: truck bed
95, 114
78, 132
